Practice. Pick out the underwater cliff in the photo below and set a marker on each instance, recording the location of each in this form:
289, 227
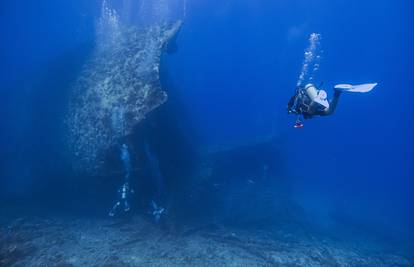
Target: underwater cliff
155, 133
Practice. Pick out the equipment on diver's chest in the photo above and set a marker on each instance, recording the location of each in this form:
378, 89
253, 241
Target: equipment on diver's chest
299, 105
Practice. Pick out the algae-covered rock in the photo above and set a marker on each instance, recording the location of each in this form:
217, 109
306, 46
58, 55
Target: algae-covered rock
117, 87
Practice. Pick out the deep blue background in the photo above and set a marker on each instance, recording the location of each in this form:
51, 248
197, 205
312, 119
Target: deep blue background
236, 67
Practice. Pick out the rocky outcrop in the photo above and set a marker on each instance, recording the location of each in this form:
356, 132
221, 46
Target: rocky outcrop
117, 88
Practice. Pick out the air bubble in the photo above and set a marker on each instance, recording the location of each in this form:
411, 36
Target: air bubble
311, 58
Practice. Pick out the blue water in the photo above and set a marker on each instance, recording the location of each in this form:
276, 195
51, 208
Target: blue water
244, 58
236, 66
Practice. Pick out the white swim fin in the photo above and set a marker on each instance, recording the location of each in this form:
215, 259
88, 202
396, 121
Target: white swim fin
361, 88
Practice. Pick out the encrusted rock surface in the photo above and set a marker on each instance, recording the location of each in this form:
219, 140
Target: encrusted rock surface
136, 242
117, 87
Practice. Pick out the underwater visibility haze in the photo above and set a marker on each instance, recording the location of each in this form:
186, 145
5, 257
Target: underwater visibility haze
206, 133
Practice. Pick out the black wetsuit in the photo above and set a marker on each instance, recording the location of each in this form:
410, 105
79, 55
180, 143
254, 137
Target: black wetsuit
301, 104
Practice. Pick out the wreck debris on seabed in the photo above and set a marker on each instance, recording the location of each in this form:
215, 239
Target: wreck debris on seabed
136, 242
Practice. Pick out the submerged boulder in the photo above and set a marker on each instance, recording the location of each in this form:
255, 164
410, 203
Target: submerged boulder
117, 87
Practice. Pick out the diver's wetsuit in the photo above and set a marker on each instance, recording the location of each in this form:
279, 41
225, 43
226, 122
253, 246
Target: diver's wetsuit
301, 104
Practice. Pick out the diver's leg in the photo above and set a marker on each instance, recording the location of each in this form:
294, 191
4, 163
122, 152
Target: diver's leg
114, 208
126, 206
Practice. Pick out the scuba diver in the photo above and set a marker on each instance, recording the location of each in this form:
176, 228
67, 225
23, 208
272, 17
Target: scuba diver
156, 211
125, 190
123, 195
309, 101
